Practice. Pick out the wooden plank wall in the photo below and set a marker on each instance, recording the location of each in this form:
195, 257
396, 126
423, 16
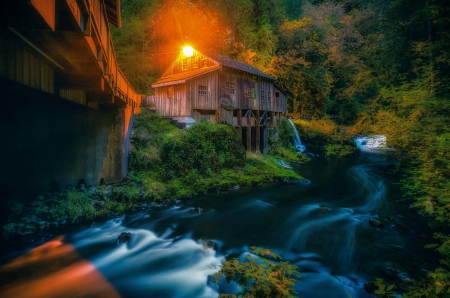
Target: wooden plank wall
210, 100
78, 96
19, 64
238, 100
177, 106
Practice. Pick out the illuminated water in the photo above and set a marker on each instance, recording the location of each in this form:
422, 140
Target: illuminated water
322, 227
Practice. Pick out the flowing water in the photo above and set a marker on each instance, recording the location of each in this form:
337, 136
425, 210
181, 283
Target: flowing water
322, 227
297, 141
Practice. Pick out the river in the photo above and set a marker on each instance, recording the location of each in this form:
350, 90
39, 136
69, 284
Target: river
323, 227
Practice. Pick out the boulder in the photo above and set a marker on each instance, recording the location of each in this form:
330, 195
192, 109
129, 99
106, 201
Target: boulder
124, 237
375, 223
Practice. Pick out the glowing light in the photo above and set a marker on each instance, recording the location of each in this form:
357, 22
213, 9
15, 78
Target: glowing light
188, 51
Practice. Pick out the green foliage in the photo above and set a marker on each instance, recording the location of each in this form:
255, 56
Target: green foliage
437, 282
265, 276
150, 131
285, 134
75, 205
203, 149
325, 137
380, 288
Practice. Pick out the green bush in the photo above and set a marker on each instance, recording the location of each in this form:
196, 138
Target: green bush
261, 277
203, 149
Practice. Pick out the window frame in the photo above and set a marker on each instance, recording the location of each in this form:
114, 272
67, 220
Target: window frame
195, 62
184, 64
202, 90
231, 87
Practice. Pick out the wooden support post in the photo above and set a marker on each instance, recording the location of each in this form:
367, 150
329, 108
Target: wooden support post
239, 122
257, 131
249, 131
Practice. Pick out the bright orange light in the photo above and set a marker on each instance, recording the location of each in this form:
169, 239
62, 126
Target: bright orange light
188, 51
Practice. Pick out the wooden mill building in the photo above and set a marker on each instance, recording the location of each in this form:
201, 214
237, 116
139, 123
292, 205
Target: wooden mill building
199, 87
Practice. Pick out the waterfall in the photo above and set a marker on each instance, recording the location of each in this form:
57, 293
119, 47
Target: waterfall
297, 142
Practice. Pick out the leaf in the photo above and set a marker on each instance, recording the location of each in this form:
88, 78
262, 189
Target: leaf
390, 288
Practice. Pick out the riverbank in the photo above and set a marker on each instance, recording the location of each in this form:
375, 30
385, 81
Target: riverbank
168, 165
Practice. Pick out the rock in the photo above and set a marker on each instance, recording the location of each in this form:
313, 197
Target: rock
375, 223
305, 181
40, 198
64, 222
236, 187
396, 273
397, 247
403, 276
386, 218
323, 208
92, 189
93, 224
208, 245
124, 237
401, 227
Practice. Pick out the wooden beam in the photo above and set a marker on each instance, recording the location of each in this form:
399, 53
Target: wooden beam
257, 131
249, 131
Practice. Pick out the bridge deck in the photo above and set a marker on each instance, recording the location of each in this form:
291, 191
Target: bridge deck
64, 47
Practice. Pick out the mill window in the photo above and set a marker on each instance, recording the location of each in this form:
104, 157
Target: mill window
269, 96
230, 87
202, 90
194, 62
184, 64
204, 62
247, 91
262, 95
170, 92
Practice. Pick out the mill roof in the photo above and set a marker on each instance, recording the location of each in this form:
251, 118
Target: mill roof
219, 61
225, 61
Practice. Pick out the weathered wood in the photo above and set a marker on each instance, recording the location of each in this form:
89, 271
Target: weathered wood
258, 136
249, 131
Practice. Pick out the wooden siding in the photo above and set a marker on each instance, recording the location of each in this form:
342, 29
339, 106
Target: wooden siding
177, 66
239, 101
78, 96
177, 106
279, 104
203, 102
19, 64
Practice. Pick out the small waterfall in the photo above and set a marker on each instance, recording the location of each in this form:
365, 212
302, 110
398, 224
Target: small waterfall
371, 144
297, 142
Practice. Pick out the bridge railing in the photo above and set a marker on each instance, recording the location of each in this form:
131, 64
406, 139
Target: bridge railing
102, 47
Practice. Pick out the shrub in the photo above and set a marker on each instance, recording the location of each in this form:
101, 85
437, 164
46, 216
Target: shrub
260, 277
203, 149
